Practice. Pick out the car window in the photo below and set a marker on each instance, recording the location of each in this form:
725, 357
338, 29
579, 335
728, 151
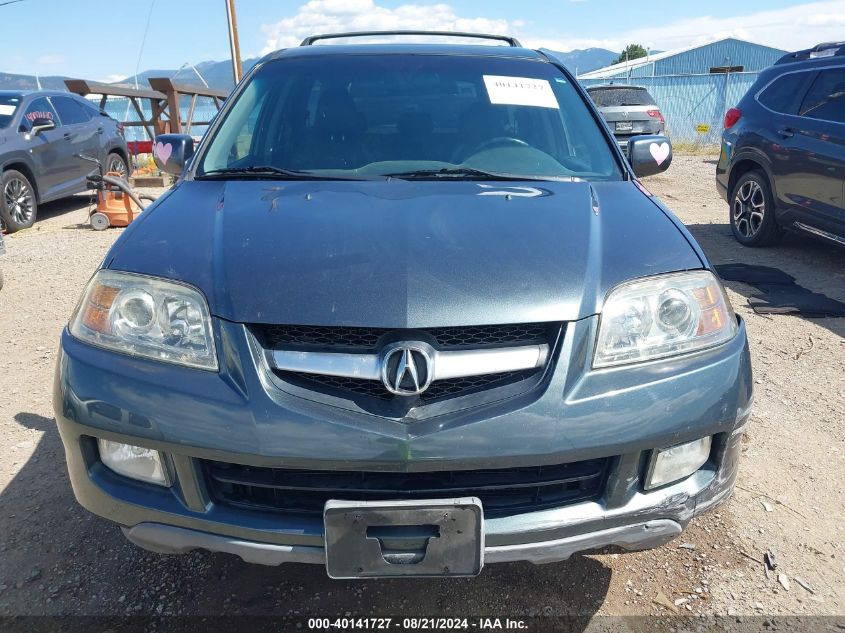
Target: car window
91, 111
782, 94
88, 110
826, 97
39, 108
383, 114
606, 97
69, 110
8, 107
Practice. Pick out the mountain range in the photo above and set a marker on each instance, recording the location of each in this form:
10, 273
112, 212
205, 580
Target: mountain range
219, 74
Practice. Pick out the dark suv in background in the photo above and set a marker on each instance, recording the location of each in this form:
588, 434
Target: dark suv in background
628, 110
782, 164
40, 135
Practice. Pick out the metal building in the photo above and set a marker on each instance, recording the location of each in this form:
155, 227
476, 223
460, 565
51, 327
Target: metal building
731, 53
693, 86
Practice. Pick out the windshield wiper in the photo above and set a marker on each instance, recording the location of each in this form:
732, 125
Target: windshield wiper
268, 171
464, 173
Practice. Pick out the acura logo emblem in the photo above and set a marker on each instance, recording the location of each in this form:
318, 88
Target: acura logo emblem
406, 368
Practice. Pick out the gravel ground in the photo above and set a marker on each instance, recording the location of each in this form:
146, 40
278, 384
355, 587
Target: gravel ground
55, 558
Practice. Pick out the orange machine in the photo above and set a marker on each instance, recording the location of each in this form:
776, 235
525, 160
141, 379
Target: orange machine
114, 206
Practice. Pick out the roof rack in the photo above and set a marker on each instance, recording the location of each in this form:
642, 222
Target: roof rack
511, 41
825, 49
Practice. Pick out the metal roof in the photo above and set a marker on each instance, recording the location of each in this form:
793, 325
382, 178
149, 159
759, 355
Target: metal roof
697, 59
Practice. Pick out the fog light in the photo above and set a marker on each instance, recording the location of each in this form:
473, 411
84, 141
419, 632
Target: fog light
675, 463
143, 464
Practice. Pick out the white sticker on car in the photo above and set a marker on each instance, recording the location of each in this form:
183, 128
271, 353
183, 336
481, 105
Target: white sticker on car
6, 110
523, 91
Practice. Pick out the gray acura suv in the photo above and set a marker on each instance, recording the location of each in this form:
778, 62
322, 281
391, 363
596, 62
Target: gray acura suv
41, 134
406, 311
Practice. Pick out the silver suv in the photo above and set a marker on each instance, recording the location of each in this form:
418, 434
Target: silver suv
628, 110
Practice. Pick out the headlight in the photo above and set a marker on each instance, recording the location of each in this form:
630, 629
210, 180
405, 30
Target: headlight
662, 316
146, 316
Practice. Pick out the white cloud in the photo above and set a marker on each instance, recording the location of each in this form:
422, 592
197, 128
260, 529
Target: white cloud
824, 19
51, 59
110, 79
332, 16
798, 26
790, 28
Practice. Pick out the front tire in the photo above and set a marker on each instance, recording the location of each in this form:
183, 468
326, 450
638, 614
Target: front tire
18, 205
752, 211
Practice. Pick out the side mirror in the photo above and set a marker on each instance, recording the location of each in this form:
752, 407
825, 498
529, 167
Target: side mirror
41, 125
172, 152
649, 154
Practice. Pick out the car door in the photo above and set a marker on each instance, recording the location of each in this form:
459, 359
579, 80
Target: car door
46, 148
825, 103
82, 138
815, 138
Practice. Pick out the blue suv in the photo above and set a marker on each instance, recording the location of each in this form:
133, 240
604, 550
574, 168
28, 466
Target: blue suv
406, 311
782, 164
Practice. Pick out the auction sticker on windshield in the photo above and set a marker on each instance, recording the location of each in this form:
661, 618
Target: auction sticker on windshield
523, 91
6, 109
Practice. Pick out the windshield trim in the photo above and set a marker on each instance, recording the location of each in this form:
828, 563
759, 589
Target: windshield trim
544, 58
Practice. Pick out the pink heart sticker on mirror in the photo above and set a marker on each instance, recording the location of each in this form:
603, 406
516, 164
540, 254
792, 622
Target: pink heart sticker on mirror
659, 152
163, 151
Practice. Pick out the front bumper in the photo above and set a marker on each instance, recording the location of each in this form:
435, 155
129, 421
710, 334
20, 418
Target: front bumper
237, 417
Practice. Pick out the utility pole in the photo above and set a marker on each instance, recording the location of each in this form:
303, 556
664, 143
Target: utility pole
234, 46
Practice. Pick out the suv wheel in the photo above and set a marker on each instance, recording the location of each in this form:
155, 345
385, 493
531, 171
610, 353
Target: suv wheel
753, 211
18, 206
115, 163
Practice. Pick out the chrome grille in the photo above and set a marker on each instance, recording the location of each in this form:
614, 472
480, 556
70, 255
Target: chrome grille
355, 366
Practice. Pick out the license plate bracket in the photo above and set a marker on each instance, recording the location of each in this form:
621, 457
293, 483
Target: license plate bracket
373, 539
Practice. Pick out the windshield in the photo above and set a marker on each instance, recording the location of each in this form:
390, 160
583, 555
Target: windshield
606, 97
414, 116
8, 105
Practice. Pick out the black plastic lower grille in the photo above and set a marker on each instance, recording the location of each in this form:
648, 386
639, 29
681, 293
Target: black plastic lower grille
502, 491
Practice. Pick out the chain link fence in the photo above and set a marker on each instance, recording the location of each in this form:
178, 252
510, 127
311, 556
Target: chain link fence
694, 105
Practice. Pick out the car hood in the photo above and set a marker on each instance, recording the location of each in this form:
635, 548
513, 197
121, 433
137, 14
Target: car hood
402, 254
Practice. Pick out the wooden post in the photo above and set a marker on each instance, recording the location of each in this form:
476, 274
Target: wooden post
234, 46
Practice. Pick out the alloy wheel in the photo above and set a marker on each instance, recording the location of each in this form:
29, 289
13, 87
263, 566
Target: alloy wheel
116, 164
18, 198
749, 208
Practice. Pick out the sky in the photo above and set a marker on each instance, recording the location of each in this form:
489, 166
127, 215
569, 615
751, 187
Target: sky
80, 38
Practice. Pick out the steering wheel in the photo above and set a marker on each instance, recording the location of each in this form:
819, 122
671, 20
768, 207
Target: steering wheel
499, 141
